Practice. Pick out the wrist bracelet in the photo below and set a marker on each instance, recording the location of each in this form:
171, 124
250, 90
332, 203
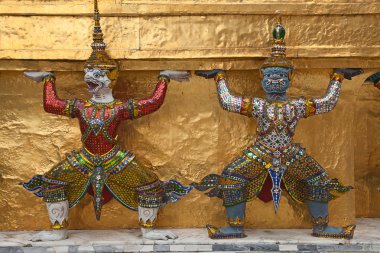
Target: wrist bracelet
164, 78
337, 77
219, 76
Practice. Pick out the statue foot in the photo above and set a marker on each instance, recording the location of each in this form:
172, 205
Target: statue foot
225, 233
334, 232
53, 235
153, 234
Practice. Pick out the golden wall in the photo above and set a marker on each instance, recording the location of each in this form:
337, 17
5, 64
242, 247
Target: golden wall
190, 136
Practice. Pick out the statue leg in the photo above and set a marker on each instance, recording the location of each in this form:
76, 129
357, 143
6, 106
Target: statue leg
320, 217
147, 219
232, 188
235, 220
145, 192
58, 215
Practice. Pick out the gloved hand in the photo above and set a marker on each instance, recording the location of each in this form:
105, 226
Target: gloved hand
208, 73
37, 76
180, 76
349, 72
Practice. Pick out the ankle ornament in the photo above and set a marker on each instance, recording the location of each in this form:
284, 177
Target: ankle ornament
147, 217
237, 222
57, 225
320, 223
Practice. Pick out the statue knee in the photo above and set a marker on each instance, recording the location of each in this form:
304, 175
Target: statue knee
233, 196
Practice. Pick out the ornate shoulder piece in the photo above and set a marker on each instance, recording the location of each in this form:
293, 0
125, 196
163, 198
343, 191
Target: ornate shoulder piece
246, 106
310, 108
70, 107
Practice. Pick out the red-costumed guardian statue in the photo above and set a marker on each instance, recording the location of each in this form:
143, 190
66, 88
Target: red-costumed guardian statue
101, 167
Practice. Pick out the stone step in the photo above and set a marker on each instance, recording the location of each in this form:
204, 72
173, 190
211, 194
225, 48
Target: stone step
367, 239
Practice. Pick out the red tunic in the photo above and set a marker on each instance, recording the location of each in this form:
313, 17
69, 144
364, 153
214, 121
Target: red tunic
99, 121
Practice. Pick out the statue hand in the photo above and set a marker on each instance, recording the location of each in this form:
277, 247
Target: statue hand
349, 72
180, 76
208, 73
37, 76
374, 80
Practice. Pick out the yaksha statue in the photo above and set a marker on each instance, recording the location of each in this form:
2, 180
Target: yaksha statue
101, 167
274, 162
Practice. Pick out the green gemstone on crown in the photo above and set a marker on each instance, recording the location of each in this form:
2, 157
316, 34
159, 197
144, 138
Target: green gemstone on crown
279, 32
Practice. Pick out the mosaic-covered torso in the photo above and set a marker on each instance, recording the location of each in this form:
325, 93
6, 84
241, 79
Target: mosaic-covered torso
276, 122
98, 125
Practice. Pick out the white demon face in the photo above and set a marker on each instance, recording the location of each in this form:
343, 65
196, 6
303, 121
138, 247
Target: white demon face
96, 79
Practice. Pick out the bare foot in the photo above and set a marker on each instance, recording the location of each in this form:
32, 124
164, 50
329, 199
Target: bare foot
54, 235
154, 234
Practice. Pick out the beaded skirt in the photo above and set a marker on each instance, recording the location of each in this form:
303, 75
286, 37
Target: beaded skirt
260, 172
115, 174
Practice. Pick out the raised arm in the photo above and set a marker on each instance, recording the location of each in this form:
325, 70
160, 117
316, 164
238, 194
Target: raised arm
327, 102
52, 103
153, 103
133, 108
239, 104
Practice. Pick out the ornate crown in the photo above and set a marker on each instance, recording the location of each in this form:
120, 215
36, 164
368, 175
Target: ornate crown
278, 55
99, 58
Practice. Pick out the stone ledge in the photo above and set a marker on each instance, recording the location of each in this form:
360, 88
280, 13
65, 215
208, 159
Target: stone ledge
367, 239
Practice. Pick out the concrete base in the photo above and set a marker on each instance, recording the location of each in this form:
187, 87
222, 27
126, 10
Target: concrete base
366, 239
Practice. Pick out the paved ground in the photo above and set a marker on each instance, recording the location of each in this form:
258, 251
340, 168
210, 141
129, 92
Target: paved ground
367, 239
